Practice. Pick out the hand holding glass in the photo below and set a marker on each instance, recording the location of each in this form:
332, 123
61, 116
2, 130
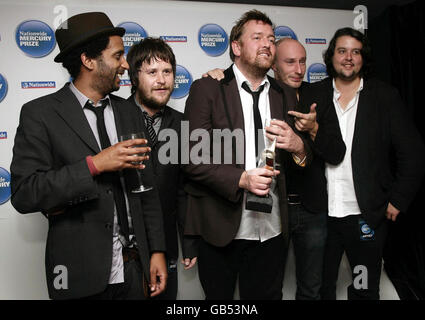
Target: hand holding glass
130, 136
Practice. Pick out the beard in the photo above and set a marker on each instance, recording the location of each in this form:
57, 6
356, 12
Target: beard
152, 102
260, 66
348, 77
106, 82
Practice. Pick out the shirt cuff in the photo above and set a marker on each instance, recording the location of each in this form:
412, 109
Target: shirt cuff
92, 167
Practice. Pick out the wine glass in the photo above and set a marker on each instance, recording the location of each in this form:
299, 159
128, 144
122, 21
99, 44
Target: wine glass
139, 135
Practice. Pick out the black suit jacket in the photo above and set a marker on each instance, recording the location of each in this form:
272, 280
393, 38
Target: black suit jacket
328, 146
49, 173
387, 154
169, 179
214, 197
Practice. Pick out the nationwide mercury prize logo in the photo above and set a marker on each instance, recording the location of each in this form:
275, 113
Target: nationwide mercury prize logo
316, 72
4, 185
213, 39
35, 38
3, 87
284, 32
134, 33
182, 82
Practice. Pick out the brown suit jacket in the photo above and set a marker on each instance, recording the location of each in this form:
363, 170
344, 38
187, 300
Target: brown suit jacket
214, 197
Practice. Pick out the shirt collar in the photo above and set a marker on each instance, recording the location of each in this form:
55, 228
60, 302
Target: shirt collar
336, 91
240, 79
82, 99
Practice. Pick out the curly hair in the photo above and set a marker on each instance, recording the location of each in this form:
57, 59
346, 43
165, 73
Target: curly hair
93, 49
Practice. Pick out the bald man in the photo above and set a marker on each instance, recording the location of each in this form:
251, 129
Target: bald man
290, 62
307, 194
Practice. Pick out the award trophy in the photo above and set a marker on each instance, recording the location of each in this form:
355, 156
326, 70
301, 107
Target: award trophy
263, 203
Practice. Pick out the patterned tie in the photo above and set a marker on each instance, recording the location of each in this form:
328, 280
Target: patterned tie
112, 177
149, 126
258, 124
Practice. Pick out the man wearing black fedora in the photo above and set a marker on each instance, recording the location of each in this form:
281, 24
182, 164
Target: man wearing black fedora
104, 242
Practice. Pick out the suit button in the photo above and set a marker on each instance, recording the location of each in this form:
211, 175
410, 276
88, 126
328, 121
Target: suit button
108, 226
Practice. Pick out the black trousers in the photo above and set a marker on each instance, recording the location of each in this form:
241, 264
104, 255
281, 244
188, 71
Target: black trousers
131, 289
259, 265
365, 258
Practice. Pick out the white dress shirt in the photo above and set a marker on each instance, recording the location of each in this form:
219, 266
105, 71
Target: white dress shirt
341, 194
256, 225
117, 268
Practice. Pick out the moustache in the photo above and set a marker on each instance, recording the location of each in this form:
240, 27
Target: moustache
267, 51
162, 88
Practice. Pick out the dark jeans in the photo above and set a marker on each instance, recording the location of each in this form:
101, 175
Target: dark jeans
308, 233
259, 266
130, 289
344, 235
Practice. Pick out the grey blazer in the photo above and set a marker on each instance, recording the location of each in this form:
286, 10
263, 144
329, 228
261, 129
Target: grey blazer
49, 173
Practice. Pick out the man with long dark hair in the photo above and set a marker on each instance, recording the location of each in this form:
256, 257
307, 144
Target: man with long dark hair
381, 171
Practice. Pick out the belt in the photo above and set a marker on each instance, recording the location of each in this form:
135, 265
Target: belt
129, 254
294, 199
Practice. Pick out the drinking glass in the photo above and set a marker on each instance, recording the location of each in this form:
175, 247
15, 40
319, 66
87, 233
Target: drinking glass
139, 135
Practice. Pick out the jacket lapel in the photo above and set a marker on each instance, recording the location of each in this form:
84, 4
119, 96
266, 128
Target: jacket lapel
117, 117
276, 101
365, 113
70, 110
233, 99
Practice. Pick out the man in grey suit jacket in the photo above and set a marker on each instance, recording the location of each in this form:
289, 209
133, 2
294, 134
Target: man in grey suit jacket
237, 242
104, 242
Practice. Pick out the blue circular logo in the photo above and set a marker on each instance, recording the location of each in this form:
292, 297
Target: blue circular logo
366, 229
182, 83
3, 87
316, 72
35, 38
4, 185
284, 32
213, 39
134, 33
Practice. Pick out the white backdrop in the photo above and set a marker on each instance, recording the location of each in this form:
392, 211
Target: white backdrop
22, 237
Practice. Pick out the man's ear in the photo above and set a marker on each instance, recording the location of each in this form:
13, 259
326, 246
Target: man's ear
236, 48
87, 62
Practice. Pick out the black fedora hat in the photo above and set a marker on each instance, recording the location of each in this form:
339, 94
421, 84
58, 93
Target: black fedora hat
82, 28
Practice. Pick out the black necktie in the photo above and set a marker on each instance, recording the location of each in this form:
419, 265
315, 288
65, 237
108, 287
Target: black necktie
112, 176
149, 126
258, 124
